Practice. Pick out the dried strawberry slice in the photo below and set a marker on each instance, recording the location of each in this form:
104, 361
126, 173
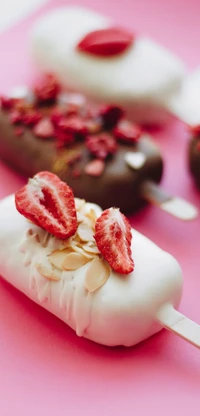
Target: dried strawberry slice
49, 203
47, 89
56, 116
113, 238
101, 145
32, 117
7, 103
106, 42
127, 132
110, 114
95, 167
15, 116
44, 128
73, 125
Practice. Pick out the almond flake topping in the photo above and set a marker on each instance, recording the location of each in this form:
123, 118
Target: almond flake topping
85, 232
90, 247
47, 273
97, 274
74, 261
75, 251
57, 258
79, 203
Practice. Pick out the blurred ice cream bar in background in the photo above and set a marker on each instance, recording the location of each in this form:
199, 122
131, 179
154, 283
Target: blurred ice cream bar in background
89, 54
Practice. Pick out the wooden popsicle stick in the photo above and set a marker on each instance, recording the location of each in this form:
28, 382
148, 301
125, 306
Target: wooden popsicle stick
182, 326
173, 205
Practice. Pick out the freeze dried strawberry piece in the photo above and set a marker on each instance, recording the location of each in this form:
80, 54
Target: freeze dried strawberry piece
32, 117
73, 125
63, 138
44, 128
7, 103
101, 145
113, 238
95, 167
15, 117
72, 109
47, 89
110, 115
19, 131
49, 203
127, 132
93, 126
195, 130
106, 42
56, 116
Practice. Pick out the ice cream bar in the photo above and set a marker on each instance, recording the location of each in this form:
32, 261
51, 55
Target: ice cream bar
89, 54
111, 300
104, 157
187, 108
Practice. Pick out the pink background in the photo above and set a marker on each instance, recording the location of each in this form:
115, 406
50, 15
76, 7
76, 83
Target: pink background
45, 368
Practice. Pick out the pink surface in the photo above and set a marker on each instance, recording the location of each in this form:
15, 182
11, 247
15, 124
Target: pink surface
45, 368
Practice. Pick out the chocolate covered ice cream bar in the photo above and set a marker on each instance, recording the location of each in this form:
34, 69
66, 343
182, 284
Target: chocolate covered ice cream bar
104, 157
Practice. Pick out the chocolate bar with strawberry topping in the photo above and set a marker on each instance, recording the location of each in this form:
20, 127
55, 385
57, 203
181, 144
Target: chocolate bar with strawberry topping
104, 157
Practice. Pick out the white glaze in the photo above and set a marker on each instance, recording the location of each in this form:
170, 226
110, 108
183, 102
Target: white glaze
142, 80
186, 104
122, 312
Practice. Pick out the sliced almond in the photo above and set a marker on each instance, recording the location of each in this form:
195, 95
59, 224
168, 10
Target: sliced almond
79, 203
45, 272
81, 251
85, 232
92, 215
57, 257
97, 274
67, 243
91, 248
80, 217
74, 261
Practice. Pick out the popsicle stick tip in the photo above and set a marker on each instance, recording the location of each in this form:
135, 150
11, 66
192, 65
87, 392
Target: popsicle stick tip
176, 322
175, 206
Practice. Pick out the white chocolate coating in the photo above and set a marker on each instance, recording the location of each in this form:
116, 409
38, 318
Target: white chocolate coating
142, 79
186, 104
121, 312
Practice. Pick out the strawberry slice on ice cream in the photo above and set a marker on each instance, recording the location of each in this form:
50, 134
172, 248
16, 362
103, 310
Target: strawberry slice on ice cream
113, 238
49, 203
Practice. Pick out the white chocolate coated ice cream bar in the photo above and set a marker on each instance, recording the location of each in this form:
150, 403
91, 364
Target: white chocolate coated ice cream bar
125, 310
144, 79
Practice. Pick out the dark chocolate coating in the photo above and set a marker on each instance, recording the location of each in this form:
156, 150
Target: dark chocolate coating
118, 186
194, 159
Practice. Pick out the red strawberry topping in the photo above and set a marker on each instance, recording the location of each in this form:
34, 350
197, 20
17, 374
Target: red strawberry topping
31, 117
106, 42
101, 145
113, 238
49, 203
127, 132
111, 115
95, 167
56, 116
44, 128
47, 90
15, 117
72, 125
7, 103
195, 130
